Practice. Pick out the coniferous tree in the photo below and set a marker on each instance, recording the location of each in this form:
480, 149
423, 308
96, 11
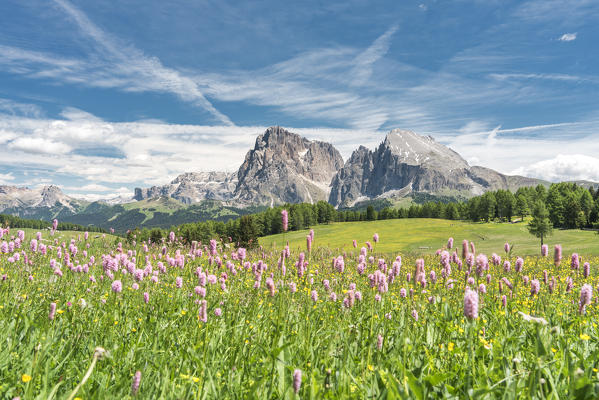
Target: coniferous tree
248, 232
522, 206
540, 225
370, 213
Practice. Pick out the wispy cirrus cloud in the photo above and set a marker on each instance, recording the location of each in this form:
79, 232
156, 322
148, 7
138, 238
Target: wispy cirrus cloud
144, 73
313, 84
113, 64
564, 12
363, 63
336, 85
550, 77
511, 151
16, 108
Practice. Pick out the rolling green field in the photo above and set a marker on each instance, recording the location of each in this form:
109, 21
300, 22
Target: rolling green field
425, 236
93, 319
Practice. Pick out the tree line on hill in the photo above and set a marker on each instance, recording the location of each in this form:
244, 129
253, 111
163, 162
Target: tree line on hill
568, 205
246, 230
17, 222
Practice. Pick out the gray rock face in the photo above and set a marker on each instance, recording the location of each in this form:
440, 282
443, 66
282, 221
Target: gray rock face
349, 184
406, 162
14, 197
489, 178
285, 167
193, 187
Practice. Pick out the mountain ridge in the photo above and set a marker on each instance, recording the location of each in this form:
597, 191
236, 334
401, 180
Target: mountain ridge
282, 167
405, 163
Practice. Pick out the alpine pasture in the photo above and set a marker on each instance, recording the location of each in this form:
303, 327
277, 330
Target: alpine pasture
91, 318
425, 235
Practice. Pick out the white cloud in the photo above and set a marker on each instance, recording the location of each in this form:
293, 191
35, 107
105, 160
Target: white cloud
563, 167
514, 150
6, 136
567, 37
6, 178
153, 152
108, 194
150, 152
92, 187
38, 145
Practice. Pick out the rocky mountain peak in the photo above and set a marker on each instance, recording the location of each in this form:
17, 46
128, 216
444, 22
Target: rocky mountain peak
14, 197
285, 167
52, 195
414, 149
50, 190
406, 162
193, 187
276, 136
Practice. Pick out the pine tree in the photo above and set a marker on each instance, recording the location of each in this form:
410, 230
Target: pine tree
370, 215
540, 225
522, 206
248, 232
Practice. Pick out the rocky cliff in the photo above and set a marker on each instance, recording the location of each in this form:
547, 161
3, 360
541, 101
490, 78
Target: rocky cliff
285, 167
193, 187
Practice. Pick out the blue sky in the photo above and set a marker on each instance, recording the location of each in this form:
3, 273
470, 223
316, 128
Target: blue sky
100, 97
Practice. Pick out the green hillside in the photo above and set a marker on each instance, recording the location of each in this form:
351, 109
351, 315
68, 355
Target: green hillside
154, 213
423, 235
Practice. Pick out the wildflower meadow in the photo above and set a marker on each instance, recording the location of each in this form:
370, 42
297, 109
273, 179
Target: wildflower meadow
91, 316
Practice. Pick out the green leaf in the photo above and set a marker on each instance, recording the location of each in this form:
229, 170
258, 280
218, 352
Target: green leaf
415, 386
280, 367
435, 379
314, 389
541, 349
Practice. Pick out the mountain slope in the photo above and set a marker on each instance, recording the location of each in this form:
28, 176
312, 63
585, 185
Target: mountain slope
162, 212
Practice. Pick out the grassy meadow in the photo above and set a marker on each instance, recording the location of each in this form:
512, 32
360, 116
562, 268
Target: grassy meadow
87, 318
425, 236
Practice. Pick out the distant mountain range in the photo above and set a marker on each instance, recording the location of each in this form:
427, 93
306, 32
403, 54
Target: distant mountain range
283, 167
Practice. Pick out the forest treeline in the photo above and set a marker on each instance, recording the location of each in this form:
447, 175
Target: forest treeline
569, 205
18, 222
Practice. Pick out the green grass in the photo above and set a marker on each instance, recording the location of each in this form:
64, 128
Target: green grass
422, 235
399, 340
162, 204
